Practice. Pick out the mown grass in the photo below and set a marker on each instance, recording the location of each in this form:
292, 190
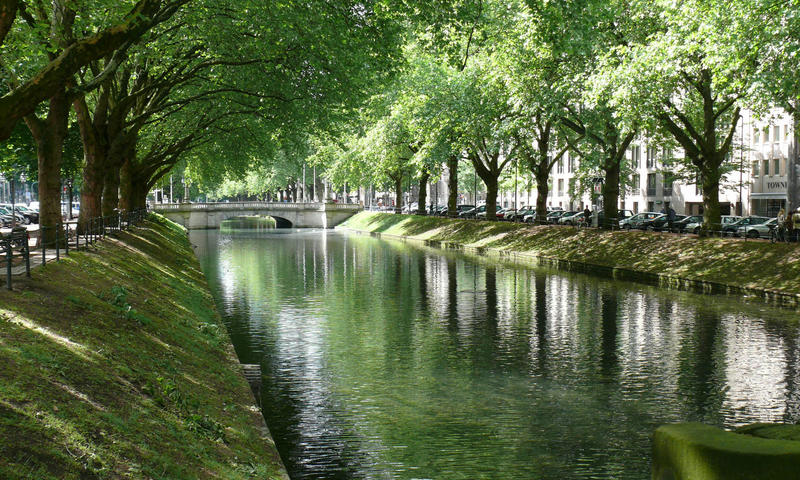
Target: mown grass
114, 363
732, 262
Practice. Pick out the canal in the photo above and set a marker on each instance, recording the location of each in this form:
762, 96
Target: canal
387, 360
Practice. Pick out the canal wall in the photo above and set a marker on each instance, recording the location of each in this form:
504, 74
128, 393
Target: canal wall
114, 363
713, 265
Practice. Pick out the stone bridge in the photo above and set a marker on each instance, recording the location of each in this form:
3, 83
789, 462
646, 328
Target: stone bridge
197, 216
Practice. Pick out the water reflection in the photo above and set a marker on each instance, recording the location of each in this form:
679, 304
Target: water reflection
383, 360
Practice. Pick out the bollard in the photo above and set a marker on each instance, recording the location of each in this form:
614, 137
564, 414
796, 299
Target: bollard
58, 247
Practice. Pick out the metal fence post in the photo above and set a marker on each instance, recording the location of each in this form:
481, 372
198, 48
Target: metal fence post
27, 255
58, 247
66, 238
8, 262
43, 239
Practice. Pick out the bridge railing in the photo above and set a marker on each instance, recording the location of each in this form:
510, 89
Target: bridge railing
182, 207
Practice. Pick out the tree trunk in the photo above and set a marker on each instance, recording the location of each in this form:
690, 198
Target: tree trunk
49, 137
452, 187
542, 190
111, 191
139, 191
398, 189
126, 186
712, 219
491, 198
611, 192
423, 192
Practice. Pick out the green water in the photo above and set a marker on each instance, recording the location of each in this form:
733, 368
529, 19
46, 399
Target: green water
384, 360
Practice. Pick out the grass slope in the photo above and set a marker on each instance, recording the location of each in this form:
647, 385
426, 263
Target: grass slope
751, 265
114, 363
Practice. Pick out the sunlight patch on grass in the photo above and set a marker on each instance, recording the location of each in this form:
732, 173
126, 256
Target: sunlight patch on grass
73, 347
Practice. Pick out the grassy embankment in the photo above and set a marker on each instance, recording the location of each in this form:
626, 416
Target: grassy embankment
721, 263
114, 363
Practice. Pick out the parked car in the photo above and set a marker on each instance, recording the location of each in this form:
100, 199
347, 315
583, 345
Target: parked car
623, 214
636, 220
758, 230
21, 219
726, 220
680, 225
733, 228
520, 214
571, 219
32, 214
481, 211
659, 223
553, 217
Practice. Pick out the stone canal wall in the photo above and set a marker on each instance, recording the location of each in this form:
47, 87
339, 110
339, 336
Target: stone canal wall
114, 363
729, 265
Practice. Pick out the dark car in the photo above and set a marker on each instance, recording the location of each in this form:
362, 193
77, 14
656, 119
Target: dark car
658, 223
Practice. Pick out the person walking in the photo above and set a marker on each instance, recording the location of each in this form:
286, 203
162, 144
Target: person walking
670, 217
781, 225
796, 225
587, 215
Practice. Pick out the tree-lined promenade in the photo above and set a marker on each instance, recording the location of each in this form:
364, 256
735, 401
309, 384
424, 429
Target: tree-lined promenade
239, 97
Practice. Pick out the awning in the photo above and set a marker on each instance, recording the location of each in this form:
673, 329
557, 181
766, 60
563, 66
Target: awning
769, 196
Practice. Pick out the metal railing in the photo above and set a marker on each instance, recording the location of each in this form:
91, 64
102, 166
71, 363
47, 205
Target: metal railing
54, 240
182, 207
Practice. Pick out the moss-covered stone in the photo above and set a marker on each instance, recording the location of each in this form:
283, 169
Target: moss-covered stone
777, 431
693, 451
114, 363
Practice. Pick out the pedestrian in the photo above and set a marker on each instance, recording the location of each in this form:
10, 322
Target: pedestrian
670, 217
587, 214
796, 225
781, 225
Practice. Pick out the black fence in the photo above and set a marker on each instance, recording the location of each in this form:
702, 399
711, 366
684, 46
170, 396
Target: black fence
59, 239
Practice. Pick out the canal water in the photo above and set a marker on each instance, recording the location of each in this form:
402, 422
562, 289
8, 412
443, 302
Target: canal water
387, 360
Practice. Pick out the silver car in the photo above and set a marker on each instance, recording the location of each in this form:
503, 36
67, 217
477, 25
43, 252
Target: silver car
726, 219
759, 230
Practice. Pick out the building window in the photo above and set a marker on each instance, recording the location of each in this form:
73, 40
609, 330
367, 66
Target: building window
636, 156
668, 184
776, 133
571, 163
560, 187
651, 157
651, 206
560, 167
755, 168
651, 184
776, 166
765, 164
635, 207
637, 182
756, 136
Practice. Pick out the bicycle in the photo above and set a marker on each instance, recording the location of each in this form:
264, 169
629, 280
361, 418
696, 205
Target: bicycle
778, 234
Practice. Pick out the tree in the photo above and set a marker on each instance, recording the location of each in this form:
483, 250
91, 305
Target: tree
774, 26
40, 79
